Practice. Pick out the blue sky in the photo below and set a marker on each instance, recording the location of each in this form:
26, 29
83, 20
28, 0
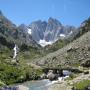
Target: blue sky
68, 12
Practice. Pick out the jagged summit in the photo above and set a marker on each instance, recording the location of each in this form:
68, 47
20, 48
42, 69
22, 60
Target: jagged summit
50, 20
45, 33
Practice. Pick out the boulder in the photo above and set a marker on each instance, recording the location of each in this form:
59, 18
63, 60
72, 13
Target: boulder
51, 76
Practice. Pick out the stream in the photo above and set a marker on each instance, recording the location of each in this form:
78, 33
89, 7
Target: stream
41, 84
38, 85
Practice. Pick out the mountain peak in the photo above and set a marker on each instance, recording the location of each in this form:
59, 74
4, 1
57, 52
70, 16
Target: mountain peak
52, 20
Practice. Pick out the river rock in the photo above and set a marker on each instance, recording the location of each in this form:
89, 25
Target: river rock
51, 76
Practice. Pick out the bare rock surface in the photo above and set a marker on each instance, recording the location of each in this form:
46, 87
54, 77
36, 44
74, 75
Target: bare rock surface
74, 53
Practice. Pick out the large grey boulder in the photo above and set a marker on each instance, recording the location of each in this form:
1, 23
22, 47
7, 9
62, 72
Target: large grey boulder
51, 76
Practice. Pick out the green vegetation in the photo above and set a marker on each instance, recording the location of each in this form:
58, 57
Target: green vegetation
10, 74
82, 84
71, 77
28, 52
13, 72
57, 45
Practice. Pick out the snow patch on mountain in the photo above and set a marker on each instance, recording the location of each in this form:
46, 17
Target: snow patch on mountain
70, 32
62, 35
43, 43
29, 31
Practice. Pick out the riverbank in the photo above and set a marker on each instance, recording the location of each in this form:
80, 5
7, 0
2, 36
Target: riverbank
63, 83
59, 86
68, 84
41, 84
45, 84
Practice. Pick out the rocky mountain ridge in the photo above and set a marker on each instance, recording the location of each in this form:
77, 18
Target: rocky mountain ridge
46, 33
9, 33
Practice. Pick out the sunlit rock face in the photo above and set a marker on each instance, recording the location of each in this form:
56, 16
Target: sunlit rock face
46, 33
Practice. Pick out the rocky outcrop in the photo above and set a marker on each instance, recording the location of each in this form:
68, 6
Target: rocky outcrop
71, 55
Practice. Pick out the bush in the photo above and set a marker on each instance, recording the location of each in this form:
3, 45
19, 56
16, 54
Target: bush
82, 84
